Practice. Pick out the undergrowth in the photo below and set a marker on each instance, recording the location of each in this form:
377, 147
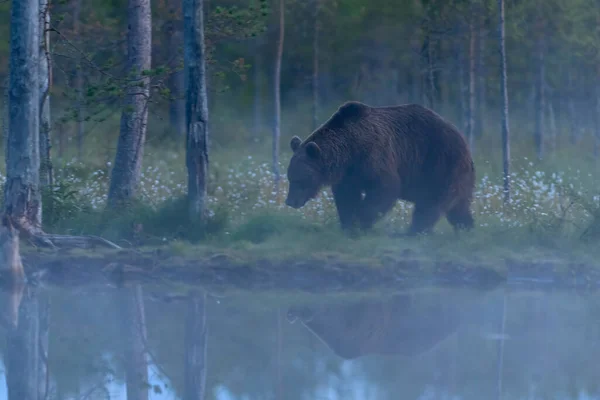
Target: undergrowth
550, 208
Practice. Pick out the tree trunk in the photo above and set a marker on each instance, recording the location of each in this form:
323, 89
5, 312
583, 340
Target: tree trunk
472, 111
22, 199
258, 122
125, 176
46, 178
430, 73
463, 92
24, 358
133, 320
277, 99
5, 112
78, 83
597, 127
573, 121
196, 107
315, 75
503, 87
196, 339
552, 120
540, 88
481, 83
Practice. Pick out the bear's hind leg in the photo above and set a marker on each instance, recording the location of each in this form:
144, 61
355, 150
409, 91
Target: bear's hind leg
424, 218
460, 216
347, 199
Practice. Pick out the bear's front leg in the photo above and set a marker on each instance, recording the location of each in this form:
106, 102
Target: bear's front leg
376, 204
347, 199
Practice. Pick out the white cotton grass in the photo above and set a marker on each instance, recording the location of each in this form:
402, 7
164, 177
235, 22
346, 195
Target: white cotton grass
246, 188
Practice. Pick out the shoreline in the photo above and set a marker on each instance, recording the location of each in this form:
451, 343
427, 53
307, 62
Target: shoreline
316, 273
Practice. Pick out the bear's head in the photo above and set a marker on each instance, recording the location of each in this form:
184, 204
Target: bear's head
304, 173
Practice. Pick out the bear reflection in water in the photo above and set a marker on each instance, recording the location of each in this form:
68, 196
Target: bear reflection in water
397, 326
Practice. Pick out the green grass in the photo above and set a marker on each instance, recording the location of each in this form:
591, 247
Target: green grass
554, 211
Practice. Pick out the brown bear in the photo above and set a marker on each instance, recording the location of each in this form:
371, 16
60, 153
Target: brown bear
372, 156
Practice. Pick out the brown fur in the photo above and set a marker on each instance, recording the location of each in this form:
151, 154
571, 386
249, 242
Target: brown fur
405, 152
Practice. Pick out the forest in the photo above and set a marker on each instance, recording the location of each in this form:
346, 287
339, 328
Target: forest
119, 159
144, 230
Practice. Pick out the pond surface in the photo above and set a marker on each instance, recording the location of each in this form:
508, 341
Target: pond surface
161, 342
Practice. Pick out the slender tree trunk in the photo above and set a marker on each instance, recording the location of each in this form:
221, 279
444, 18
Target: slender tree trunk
552, 120
430, 74
472, 111
573, 122
196, 339
258, 120
539, 88
5, 112
125, 176
504, 85
315, 76
414, 72
597, 127
78, 82
463, 92
481, 83
196, 107
46, 178
22, 199
277, 94
133, 322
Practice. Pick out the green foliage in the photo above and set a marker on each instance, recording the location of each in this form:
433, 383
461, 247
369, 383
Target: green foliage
62, 202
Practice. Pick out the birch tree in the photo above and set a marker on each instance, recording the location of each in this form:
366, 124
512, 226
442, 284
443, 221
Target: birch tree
540, 82
504, 90
315, 74
22, 198
78, 81
257, 103
126, 172
196, 106
46, 178
471, 118
277, 96
481, 81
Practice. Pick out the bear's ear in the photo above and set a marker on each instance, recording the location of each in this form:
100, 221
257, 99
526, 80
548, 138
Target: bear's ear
313, 150
295, 143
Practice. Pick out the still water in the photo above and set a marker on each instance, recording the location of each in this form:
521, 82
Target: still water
161, 342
